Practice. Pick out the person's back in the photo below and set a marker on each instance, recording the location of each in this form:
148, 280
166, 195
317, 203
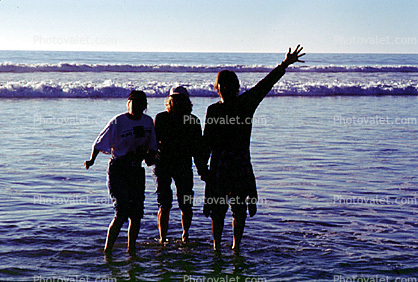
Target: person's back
177, 140
228, 125
227, 135
179, 135
130, 139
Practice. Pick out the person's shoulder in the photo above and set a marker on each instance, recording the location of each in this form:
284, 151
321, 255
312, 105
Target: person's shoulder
147, 118
249, 99
162, 115
192, 120
215, 105
245, 94
117, 118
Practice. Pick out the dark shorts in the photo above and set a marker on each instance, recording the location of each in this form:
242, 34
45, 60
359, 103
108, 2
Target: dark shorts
220, 206
183, 178
231, 181
126, 184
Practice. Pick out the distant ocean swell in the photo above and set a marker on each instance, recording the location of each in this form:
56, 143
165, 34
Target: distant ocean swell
76, 67
109, 89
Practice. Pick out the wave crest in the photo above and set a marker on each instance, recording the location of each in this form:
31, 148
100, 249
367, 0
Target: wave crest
110, 89
74, 67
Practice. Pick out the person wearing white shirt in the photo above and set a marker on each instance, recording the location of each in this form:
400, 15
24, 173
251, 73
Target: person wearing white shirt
130, 139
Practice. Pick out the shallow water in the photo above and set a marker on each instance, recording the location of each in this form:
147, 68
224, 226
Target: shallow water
338, 198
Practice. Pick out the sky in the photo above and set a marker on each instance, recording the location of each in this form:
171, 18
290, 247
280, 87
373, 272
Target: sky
321, 26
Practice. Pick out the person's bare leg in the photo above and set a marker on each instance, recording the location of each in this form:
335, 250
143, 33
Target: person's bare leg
238, 225
217, 229
186, 221
133, 232
112, 234
163, 218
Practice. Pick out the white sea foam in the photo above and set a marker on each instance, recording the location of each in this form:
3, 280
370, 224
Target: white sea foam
174, 68
113, 89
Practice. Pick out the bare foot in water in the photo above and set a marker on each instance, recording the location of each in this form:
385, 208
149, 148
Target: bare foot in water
163, 242
217, 248
131, 252
236, 250
108, 256
185, 239
107, 252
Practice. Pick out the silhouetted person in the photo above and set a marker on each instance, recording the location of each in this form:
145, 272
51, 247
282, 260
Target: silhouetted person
179, 137
130, 139
226, 137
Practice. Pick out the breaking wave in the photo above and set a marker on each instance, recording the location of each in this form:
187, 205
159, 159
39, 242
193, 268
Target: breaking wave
76, 67
110, 89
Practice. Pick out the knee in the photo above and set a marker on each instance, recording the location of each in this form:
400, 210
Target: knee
186, 199
186, 210
135, 222
240, 214
165, 210
118, 221
165, 201
218, 215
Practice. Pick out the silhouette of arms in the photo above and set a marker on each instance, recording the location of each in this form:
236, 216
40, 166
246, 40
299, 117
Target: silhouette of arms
256, 94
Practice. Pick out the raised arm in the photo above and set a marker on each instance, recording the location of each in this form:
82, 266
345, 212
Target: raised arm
274, 76
262, 88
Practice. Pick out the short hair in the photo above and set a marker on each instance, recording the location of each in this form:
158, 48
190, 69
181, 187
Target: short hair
137, 96
227, 81
180, 103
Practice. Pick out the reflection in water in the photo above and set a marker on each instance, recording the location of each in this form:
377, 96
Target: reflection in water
177, 262
302, 161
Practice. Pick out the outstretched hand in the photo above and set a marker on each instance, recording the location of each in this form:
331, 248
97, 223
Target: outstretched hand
88, 164
292, 58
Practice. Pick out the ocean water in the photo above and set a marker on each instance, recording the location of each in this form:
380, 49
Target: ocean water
335, 161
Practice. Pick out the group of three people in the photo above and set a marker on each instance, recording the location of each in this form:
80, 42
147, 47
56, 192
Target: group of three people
171, 142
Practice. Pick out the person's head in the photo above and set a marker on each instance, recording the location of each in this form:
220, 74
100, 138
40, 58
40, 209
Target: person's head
137, 102
227, 84
178, 102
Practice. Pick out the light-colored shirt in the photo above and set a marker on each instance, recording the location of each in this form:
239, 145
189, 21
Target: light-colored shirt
123, 135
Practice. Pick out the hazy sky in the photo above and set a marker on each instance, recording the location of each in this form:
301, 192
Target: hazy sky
369, 26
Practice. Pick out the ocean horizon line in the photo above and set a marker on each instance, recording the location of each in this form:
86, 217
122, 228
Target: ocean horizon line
197, 52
